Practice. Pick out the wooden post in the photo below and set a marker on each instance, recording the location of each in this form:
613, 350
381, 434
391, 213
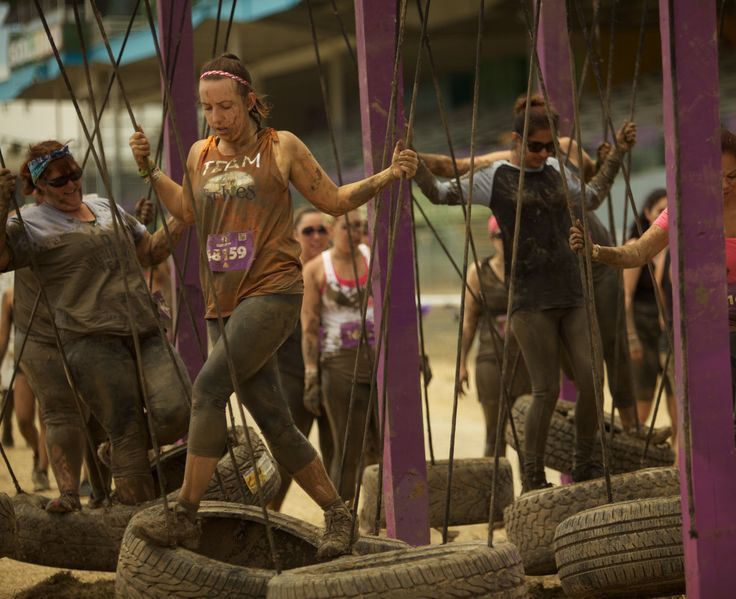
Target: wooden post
183, 89
702, 367
554, 60
405, 476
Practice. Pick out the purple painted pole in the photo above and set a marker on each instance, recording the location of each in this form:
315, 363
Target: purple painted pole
182, 94
554, 60
405, 472
702, 367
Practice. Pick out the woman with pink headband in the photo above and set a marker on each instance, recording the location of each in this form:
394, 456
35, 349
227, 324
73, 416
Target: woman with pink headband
236, 191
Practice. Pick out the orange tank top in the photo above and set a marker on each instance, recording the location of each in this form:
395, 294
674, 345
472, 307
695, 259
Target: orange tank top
246, 225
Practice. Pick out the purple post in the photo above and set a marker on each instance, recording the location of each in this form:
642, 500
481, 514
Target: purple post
554, 60
702, 367
405, 472
182, 94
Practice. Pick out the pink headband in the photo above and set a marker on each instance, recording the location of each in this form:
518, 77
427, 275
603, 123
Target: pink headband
225, 74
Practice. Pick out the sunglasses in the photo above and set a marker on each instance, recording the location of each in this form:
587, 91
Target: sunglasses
535, 147
75, 175
321, 230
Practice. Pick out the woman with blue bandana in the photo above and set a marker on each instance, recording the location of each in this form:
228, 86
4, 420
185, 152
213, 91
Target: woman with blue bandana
73, 240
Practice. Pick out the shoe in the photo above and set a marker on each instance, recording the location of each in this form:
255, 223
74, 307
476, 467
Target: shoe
535, 484
587, 471
339, 528
64, 503
168, 529
95, 503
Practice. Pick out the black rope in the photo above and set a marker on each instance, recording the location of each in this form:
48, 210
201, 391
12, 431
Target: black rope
466, 249
111, 81
420, 328
351, 51
364, 332
229, 25
395, 205
660, 389
16, 369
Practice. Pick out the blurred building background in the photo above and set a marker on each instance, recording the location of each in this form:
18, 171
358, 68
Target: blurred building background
273, 38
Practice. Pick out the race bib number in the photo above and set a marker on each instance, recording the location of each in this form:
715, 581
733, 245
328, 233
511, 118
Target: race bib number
230, 251
350, 334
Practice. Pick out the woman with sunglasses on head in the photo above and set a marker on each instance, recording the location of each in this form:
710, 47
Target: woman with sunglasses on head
237, 192
486, 298
331, 343
547, 312
73, 243
656, 238
310, 230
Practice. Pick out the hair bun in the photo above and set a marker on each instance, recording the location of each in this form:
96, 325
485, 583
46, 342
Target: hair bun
230, 55
536, 101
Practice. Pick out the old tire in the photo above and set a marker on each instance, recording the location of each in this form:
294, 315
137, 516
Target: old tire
90, 539
456, 570
625, 450
85, 540
233, 559
472, 480
231, 489
8, 526
629, 549
532, 519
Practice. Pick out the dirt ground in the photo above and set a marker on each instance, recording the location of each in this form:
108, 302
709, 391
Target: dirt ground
441, 334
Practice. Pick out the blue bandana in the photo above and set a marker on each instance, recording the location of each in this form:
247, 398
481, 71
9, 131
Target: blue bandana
38, 165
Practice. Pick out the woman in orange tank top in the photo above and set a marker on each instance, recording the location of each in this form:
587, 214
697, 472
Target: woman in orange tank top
237, 194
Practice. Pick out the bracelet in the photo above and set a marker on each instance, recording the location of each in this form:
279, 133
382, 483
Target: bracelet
310, 370
595, 251
143, 173
153, 175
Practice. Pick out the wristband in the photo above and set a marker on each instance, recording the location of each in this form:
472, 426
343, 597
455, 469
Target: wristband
310, 370
143, 173
595, 251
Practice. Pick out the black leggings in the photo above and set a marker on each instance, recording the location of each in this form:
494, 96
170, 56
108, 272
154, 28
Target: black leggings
104, 369
255, 330
609, 304
337, 381
541, 336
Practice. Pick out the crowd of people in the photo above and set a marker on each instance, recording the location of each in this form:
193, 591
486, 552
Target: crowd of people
288, 310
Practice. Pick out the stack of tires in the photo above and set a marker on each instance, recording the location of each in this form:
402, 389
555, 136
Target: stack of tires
8, 526
625, 450
628, 549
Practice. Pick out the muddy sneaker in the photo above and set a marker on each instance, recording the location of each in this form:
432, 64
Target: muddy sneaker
64, 503
534, 484
338, 536
168, 529
587, 471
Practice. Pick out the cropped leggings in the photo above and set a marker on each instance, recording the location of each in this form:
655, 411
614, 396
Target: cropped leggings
541, 335
255, 330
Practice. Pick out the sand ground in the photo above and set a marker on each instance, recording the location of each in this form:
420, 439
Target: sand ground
441, 334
